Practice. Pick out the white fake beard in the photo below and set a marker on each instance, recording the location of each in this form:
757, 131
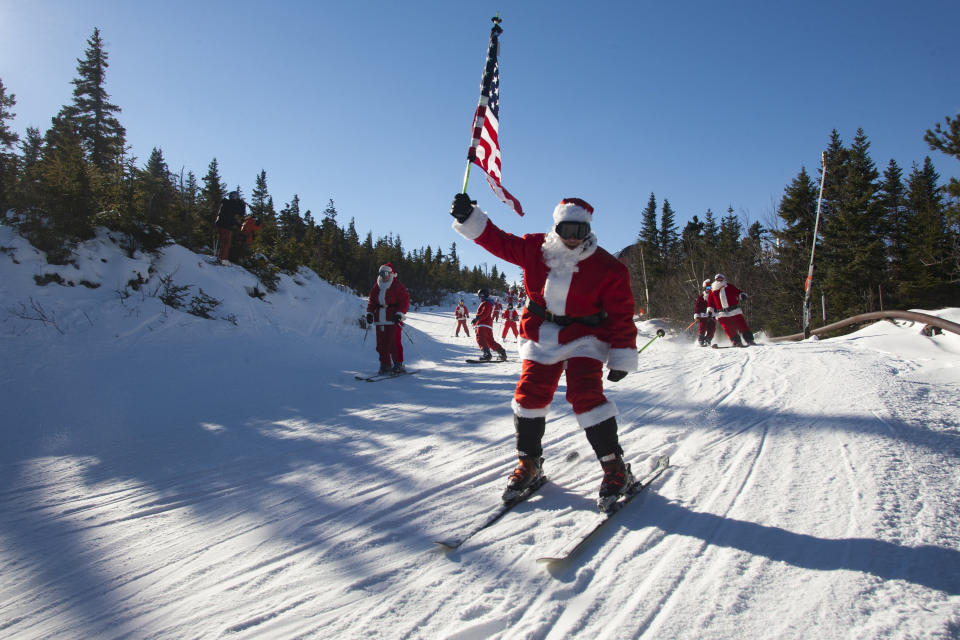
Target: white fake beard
384, 282
560, 258
718, 284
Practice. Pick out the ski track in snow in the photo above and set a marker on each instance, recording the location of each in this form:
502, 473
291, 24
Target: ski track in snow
813, 492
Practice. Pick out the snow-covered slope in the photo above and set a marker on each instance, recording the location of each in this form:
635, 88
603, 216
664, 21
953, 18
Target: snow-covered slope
168, 476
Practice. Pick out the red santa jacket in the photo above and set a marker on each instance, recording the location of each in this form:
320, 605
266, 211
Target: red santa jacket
596, 282
700, 308
384, 303
484, 315
461, 313
511, 315
725, 301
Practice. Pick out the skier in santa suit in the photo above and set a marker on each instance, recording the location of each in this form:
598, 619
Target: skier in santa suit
461, 314
510, 319
483, 321
578, 316
723, 301
708, 325
386, 305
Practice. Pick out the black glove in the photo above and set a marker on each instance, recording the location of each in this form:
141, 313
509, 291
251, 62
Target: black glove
616, 375
474, 321
369, 318
743, 295
462, 207
397, 318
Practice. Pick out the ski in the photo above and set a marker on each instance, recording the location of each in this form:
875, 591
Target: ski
583, 536
377, 377
499, 512
473, 361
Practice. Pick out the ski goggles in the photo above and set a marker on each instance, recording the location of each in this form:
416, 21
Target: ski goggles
571, 229
385, 272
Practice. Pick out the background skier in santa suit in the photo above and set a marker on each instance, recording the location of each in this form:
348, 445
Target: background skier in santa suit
579, 315
510, 319
724, 302
461, 314
708, 325
386, 305
483, 321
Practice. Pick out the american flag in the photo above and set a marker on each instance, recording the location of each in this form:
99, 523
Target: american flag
485, 145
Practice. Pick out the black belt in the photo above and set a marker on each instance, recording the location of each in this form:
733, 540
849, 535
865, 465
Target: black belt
732, 307
563, 321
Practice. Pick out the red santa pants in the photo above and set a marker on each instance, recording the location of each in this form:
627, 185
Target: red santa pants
462, 323
509, 325
707, 328
388, 345
485, 339
538, 382
733, 325
223, 251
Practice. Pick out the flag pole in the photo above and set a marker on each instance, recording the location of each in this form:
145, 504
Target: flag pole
470, 154
808, 284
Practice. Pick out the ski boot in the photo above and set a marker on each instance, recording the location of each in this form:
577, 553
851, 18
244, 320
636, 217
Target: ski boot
384, 370
617, 478
528, 473
737, 342
503, 354
398, 369
748, 336
486, 357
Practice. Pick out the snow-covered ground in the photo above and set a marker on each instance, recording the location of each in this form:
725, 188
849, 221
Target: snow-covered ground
168, 476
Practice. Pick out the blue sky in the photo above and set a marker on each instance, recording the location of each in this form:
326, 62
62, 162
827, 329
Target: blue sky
707, 104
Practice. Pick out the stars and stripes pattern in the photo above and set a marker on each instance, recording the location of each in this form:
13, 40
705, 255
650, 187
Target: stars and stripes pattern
485, 145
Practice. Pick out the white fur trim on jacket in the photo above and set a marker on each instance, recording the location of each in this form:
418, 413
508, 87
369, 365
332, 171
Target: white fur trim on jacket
472, 227
597, 415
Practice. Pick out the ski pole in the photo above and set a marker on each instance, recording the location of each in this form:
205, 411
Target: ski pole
660, 334
691, 324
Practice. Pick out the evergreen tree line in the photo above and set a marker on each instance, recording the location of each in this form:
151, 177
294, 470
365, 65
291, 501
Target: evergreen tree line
79, 175
884, 241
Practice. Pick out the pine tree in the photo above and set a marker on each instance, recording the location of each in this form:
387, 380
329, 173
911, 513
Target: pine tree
925, 276
8, 160
891, 198
103, 136
855, 252
669, 240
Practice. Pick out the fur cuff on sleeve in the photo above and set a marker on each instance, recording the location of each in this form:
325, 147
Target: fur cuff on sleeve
622, 360
473, 226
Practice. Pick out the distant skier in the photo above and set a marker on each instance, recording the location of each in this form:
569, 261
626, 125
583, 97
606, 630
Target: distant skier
386, 305
497, 309
724, 302
461, 314
708, 325
483, 321
232, 208
579, 314
510, 320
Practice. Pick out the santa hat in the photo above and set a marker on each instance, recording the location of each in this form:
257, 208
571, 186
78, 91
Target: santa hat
706, 283
573, 210
387, 265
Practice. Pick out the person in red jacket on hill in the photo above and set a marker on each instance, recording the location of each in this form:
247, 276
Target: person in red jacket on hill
386, 305
708, 325
483, 321
510, 320
461, 314
578, 316
724, 302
